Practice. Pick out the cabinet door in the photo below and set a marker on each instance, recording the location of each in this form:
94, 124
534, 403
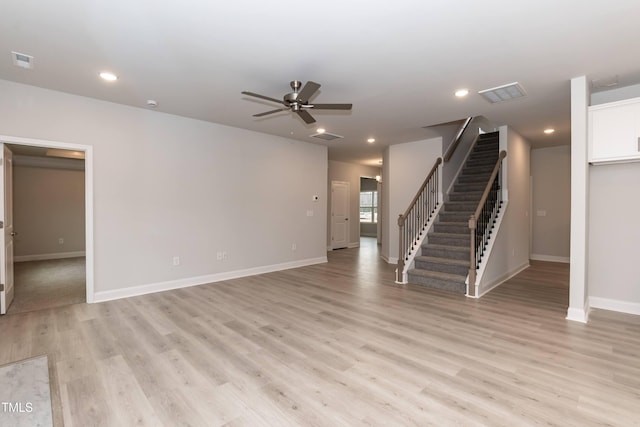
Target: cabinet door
614, 132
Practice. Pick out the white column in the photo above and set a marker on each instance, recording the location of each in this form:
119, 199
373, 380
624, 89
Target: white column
578, 279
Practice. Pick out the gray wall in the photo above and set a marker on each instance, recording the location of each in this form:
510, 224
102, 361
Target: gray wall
48, 204
351, 173
614, 237
551, 210
168, 186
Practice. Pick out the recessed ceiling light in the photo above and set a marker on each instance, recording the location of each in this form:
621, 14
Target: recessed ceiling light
152, 103
321, 130
549, 131
110, 77
371, 140
460, 93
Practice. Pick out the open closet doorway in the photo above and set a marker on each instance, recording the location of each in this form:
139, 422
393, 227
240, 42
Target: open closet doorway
52, 249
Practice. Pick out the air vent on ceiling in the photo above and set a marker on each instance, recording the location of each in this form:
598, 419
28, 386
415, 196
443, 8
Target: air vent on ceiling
326, 136
22, 60
503, 93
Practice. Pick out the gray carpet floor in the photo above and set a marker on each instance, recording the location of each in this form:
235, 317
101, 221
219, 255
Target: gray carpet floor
47, 284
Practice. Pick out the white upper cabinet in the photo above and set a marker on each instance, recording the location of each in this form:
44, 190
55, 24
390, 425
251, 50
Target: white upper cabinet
614, 132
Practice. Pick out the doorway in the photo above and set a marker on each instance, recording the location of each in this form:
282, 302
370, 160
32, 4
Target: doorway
339, 214
52, 271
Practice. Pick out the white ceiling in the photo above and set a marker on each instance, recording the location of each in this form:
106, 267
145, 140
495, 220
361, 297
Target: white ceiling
398, 62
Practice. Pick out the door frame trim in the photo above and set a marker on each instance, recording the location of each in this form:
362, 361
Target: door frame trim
88, 196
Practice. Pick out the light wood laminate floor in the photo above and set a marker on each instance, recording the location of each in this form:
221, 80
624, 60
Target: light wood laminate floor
336, 344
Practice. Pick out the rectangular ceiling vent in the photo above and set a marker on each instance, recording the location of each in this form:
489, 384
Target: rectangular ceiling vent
326, 136
22, 60
503, 93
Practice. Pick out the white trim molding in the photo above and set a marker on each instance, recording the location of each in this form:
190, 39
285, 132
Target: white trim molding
201, 280
88, 196
615, 305
44, 257
550, 258
578, 315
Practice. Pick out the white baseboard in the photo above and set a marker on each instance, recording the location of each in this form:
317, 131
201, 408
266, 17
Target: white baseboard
201, 280
390, 260
550, 258
349, 246
578, 314
44, 257
615, 305
501, 279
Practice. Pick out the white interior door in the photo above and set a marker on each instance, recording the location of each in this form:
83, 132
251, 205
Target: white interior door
6, 237
339, 214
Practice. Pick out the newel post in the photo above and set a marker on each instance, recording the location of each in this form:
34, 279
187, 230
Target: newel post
473, 222
401, 249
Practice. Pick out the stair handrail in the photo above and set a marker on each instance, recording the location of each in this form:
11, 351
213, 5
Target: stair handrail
457, 139
484, 214
411, 224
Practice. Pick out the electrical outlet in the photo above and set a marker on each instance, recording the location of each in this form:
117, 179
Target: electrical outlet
219, 256
294, 247
224, 256
61, 241
309, 213
176, 261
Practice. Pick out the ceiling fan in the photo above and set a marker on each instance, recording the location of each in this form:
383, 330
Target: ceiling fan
298, 101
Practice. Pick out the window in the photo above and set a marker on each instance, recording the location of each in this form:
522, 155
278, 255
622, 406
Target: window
368, 206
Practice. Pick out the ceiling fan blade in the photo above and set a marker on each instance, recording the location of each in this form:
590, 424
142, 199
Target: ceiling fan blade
270, 112
307, 91
304, 115
268, 98
332, 106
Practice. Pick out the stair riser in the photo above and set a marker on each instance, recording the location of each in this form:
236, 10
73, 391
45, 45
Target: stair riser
451, 207
450, 228
442, 267
483, 156
444, 253
486, 146
438, 284
473, 179
461, 217
450, 241
483, 170
465, 197
461, 188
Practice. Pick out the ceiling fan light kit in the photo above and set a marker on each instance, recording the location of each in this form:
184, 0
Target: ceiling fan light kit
298, 101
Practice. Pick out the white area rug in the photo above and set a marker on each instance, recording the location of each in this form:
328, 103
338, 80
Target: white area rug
25, 396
